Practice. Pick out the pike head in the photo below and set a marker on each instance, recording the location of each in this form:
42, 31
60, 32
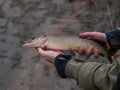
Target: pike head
37, 42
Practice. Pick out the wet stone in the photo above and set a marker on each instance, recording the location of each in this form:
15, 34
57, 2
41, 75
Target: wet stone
11, 11
1, 2
3, 22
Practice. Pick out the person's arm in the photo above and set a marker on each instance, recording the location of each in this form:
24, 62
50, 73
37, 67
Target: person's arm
90, 75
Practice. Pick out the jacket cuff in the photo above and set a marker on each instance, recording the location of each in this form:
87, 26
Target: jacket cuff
60, 64
113, 34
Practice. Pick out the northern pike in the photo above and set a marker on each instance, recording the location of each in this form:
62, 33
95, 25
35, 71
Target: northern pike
66, 42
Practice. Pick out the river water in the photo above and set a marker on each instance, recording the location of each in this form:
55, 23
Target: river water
24, 69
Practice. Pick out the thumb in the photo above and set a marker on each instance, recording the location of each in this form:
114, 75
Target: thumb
40, 51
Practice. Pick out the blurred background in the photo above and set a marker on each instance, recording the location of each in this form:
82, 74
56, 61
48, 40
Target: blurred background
24, 69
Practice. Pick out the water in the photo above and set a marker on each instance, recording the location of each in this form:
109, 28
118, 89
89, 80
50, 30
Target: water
22, 19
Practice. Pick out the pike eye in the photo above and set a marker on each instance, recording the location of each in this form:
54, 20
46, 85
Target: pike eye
29, 41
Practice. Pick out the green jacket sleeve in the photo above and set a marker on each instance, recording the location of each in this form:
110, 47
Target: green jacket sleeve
93, 75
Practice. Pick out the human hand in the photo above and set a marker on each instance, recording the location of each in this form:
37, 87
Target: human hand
94, 36
49, 55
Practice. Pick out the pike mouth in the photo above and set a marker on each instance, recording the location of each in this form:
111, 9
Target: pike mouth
28, 43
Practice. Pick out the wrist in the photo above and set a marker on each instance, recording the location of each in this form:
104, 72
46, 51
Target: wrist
113, 39
60, 64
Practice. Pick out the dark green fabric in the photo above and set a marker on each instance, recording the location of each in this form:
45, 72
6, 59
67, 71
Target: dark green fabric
93, 75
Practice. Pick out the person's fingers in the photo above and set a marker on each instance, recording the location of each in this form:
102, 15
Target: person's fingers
87, 35
40, 50
89, 51
96, 53
81, 50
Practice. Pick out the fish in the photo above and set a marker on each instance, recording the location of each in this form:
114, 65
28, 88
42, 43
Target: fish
66, 43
